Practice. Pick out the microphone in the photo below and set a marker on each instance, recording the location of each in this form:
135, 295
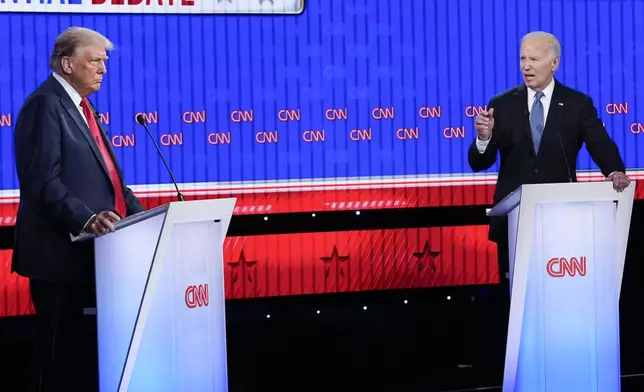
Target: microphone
563, 152
141, 120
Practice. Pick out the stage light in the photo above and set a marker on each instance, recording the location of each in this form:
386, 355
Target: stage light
318, 312
357, 212
313, 214
265, 218
268, 316
449, 297
364, 307
406, 301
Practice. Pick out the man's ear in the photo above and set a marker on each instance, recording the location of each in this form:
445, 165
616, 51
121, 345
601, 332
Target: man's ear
555, 63
66, 65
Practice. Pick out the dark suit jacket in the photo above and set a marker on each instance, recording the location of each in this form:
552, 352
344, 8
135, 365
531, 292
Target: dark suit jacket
571, 115
63, 182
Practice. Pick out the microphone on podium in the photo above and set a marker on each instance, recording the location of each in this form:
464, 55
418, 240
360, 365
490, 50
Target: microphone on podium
140, 118
563, 152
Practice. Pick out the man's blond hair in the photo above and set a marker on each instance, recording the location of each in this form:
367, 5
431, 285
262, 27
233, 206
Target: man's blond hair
72, 40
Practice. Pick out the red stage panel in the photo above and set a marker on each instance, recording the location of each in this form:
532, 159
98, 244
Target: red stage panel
315, 263
292, 264
272, 201
15, 299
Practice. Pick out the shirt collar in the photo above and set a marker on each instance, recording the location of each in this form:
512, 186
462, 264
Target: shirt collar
547, 92
73, 94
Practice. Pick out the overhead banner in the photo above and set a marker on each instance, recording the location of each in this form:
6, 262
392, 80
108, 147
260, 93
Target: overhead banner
270, 7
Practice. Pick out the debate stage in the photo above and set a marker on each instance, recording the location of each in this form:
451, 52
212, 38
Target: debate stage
428, 344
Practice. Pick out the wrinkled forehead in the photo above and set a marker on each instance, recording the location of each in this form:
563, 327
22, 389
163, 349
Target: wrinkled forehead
92, 52
535, 45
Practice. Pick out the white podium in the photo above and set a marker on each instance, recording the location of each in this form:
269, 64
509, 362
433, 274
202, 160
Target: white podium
160, 299
567, 249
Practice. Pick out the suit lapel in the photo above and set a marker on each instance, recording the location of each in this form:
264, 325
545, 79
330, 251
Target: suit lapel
554, 113
82, 125
74, 113
521, 108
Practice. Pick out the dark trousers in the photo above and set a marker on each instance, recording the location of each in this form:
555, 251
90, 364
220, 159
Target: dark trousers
66, 344
503, 250
502, 297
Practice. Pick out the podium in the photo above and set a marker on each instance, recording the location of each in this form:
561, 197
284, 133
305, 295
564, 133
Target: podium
567, 249
160, 299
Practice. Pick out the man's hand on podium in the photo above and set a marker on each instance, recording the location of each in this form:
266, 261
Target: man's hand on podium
102, 223
620, 181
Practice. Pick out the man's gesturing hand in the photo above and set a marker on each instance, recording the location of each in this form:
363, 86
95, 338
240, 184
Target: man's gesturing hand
102, 223
484, 123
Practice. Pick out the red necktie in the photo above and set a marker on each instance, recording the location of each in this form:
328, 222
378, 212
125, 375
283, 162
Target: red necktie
119, 207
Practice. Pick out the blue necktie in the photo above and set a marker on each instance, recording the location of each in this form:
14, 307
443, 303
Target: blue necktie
536, 120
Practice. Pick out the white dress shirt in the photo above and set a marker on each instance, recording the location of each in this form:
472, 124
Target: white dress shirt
481, 145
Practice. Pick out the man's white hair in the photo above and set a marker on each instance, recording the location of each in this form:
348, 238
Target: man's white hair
70, 41
554, 48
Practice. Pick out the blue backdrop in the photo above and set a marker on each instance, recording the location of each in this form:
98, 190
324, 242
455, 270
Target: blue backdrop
445, 55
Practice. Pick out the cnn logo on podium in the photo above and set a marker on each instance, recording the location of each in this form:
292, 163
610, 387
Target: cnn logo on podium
197, 296
558, 267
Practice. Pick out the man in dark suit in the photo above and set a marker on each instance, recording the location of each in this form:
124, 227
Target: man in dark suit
70, 182
538, 129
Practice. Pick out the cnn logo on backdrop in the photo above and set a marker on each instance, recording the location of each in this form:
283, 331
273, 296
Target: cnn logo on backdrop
197, 296
558, 267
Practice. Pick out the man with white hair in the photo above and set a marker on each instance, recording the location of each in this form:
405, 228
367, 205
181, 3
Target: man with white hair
538, 129
69, 182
